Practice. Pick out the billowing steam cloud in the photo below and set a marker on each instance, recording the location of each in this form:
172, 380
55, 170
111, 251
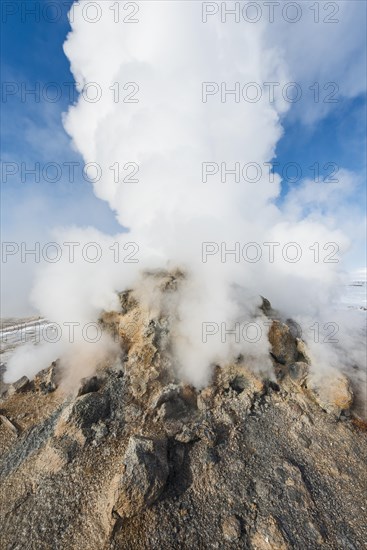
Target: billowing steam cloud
170, 106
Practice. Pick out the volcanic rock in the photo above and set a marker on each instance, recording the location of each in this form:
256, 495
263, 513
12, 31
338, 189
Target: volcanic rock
231, 528
141, 460
284, 345
332, 392
48, 379
145, 475
89, 385
298, 372
19, 386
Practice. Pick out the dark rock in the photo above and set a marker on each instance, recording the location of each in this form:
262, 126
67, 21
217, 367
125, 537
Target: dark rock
298, 372
21, 385
175, 409
239, 384
271, 386
127, 301
295, 328
67, 446
145, 475
89, 409
212, 456
47, 380
266, 307
284, 346
168, 393
78, 475
89, 385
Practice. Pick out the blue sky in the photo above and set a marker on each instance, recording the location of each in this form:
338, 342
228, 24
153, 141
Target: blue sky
339, 138
32, 132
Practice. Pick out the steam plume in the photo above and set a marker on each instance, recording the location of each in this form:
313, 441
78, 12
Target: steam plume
170, 212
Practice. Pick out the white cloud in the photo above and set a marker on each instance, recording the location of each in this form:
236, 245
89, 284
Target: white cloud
324, 52
170, 212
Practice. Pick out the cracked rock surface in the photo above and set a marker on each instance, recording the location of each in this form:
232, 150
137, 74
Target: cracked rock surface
135, 459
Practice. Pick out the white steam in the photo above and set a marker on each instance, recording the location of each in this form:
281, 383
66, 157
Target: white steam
170, 212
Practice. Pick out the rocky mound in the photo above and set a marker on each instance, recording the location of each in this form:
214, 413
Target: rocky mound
136, 459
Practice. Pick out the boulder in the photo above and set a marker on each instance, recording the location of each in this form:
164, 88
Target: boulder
21, 385
145, 475
89, 409
284, 346
332, 392
48, 379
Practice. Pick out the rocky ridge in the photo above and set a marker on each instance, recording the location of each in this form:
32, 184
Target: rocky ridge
137, 459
